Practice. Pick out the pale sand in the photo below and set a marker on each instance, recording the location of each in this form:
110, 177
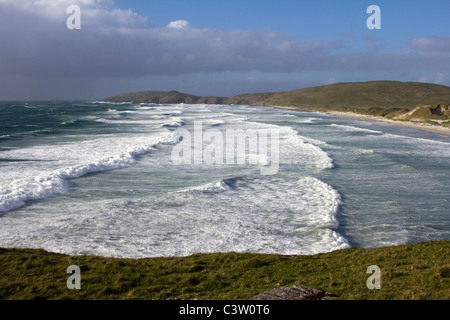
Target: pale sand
410, 124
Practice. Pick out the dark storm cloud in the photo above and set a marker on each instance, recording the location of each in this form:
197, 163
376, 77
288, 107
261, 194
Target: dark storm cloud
35, 44
43, 47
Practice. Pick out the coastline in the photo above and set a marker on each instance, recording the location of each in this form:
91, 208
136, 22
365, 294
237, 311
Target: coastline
369, 118
409, 124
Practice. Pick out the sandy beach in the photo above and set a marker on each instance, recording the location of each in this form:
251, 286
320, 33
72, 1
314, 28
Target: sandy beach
409, 124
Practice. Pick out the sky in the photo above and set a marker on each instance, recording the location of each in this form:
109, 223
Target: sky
215, 47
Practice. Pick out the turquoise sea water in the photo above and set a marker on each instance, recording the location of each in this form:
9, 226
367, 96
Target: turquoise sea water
100, 178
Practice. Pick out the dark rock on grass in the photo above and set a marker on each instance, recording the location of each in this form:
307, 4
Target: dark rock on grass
295, 293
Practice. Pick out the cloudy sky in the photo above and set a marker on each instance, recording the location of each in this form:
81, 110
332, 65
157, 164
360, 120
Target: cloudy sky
215, 47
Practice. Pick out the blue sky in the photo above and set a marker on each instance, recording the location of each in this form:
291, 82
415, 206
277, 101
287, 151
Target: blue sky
292, 15
216, 47
314, 20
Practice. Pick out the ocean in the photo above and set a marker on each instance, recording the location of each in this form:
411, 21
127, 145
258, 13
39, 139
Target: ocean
123, 180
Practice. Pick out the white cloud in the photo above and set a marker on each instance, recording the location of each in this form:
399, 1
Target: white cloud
372, 43
332, 80
439, 77
178, 24
115, 42
422, 78
95, 13
432, 44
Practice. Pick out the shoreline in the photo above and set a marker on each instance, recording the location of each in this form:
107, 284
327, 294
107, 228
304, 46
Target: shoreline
369, 118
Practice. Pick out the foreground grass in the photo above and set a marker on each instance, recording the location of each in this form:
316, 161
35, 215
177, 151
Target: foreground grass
416, 271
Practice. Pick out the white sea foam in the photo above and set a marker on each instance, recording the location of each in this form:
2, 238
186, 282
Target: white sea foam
324, 201
304, 151
145, 107
265, 215
129, 112
174, 122
363, 151
259, 159
24, 181
113, 103
165, 210
128, 122
303, 213
294, 149
171, 112
355, 129
213, 122
213, 187
305, 120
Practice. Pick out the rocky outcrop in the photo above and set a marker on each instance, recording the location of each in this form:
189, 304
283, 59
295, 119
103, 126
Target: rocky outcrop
426, 112
441, 109
295, 293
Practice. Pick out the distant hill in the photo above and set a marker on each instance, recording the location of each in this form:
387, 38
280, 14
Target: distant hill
383, 94
164, 97
350, 95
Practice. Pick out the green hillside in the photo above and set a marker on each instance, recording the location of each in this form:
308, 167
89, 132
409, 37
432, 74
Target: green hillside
382, 94
361, 95
414, 271
251, 98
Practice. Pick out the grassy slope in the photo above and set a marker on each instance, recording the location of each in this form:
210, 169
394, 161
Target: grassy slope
363, 95
416, 271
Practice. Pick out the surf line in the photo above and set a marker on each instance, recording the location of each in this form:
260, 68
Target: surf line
234, 147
